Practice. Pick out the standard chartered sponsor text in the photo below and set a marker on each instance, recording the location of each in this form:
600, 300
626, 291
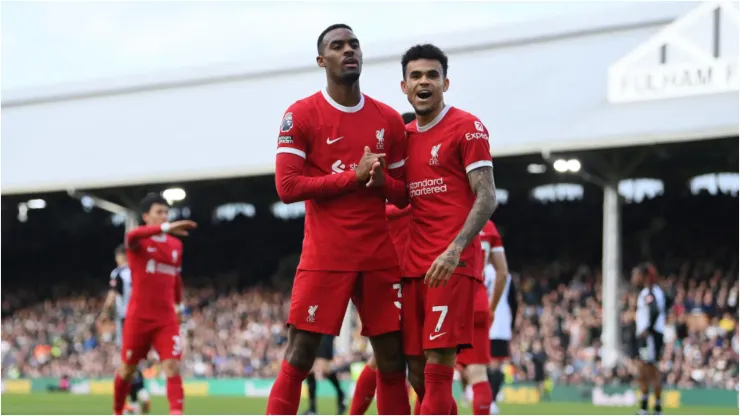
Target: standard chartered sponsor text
427, 187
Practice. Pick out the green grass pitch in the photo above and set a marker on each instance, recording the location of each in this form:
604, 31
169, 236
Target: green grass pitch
66, 404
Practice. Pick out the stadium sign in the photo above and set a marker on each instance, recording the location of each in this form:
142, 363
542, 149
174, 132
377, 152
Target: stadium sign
696, 54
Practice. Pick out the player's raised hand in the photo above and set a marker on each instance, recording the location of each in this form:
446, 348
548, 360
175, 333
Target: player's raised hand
366, 164
180, 228
377, 176
443, 267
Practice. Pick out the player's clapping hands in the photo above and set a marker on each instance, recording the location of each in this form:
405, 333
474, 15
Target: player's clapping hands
180, 228
443, 267
365, 167
377, 176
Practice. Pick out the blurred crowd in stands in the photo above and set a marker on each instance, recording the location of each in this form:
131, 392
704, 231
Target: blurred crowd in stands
241, 333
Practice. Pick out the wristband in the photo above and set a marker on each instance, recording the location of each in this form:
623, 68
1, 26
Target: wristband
180, 307
165, 227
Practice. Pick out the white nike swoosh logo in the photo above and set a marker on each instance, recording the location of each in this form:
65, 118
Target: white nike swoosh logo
433, 337
330, 141
151, 249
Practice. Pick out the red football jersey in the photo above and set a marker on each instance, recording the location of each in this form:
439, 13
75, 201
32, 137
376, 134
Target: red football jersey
439, 157
155, 260
398, 221
490, 240
319, 145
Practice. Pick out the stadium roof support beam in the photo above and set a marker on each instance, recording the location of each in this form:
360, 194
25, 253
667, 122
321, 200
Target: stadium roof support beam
611, 265
131, 219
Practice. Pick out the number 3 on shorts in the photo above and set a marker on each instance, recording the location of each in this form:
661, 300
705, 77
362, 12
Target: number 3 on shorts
176, 345
442, 316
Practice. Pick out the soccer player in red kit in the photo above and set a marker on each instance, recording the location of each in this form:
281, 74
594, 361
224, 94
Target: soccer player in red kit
449, 177
327, 146
398, 222
155, 259
474, 361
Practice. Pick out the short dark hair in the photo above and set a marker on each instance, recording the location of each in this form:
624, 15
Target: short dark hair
121, 249
320, 41
426, 51
408, 117
152, 199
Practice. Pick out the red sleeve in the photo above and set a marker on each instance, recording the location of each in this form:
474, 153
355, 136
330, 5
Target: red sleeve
474, 147
138, 233
395, 185
293, 146
497, 244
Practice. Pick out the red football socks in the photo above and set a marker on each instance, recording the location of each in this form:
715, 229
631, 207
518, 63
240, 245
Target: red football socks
392, 396
438, 398
482, 398
121, 389
285, 395
175, 394
364, 391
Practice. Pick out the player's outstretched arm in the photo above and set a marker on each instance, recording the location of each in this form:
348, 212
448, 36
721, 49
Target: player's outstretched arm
179, 228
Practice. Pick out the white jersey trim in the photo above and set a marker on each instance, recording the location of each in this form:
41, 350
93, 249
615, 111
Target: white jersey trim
292, 151
434, 122
478, 164
499, 249
341, 107
397, 165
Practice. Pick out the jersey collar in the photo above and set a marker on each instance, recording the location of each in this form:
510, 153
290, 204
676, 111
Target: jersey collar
434, 122
341, 107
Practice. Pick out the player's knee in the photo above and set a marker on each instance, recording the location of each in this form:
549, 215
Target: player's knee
171, 368
388, 352
476, 373
301, 353
442, 356
321, 366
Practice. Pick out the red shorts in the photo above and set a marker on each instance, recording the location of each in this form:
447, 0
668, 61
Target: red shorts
481, 351
139, 336
320, 298
440, 317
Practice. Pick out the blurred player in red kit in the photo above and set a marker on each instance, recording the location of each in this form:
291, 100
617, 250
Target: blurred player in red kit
503, 311
327, 145
398, 222
474, 361
449, 177
155, 259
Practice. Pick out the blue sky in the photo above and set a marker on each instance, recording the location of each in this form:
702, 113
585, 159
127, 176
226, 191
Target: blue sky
51, 43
